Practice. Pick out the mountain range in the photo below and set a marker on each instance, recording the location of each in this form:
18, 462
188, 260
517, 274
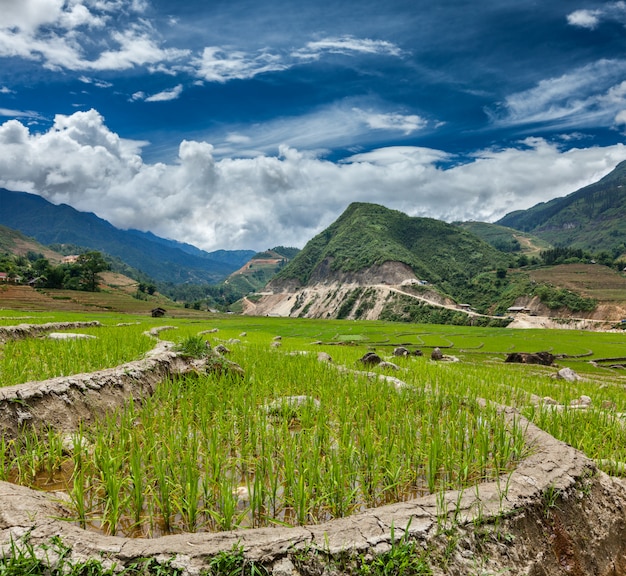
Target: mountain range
359, 246
591, 218
161, 259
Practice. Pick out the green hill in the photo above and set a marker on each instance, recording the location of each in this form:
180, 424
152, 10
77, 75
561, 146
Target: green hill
591, 218
366, 235
260, 269
506, 239
14, 243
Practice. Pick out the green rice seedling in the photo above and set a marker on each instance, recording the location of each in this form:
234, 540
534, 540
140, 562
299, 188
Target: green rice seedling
113, 483
42, 358
301, 499
79, 489
54, 455
226, 515
137, 481
163, 487
190, 479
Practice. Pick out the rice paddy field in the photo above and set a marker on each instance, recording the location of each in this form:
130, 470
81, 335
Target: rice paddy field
297, 440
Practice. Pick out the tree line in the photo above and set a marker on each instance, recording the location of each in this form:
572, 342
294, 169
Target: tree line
36, 270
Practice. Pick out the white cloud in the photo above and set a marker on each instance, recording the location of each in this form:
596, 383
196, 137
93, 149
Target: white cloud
406, 123
620, 118
591, 19
219, 65
587, 96
73, 35
95, 82
338, 125
166, 95
5, 90
91, 35
284, 199
19, 113
135, 48
584, 18
347, 45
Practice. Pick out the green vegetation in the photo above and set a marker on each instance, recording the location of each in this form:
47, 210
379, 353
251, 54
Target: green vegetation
188, 457
261, 268
246, 454
368, 234
590, 218
42, 358
22, 558
401, 308
555, 299
505, 239
83, 274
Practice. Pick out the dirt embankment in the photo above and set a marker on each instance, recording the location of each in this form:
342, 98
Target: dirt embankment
29, 330
555, 514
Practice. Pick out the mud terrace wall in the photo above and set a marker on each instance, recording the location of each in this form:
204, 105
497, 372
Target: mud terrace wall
515, 526
29, 330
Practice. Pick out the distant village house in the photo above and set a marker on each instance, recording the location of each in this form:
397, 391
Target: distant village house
158, 312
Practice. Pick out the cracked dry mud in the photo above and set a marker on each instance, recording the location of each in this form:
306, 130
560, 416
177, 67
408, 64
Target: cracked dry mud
498, 530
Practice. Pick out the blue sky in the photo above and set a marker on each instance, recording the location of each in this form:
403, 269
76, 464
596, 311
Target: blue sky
246, 124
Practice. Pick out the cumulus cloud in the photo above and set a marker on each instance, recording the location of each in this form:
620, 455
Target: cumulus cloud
60, 34
281, 199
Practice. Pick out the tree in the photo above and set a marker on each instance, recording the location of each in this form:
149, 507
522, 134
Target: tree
90, 265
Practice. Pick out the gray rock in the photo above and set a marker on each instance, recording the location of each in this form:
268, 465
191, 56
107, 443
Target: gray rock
582, 402
436, 354
568, 375
324, 357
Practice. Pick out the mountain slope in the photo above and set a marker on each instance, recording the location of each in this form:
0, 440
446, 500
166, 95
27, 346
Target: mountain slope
591, 218
163, 260
15, 243
506, 239
367, 236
